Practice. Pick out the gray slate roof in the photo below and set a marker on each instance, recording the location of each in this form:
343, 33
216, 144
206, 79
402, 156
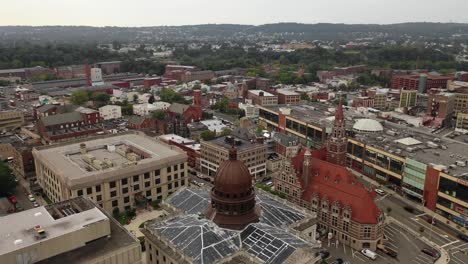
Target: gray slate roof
178, 108
62, 119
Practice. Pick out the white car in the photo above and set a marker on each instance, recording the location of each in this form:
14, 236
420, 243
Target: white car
380, 191
31, 198
35, 204
369, 253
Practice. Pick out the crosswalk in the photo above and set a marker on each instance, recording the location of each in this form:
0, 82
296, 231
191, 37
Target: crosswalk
457, 251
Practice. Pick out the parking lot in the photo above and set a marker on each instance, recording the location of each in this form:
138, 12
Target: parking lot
408, 248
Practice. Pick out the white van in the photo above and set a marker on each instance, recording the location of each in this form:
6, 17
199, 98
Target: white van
369, 253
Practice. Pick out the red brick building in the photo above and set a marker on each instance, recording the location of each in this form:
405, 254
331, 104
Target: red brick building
411, 82
288, 97
320, 182
141, 123
78, 123
191, 148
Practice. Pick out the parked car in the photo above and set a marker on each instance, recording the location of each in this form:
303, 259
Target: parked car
463, 237
369, 253
31, 198
380, 191
338, 261
409, 208
324, 254
35, 204
390, 252
12, 199
431, 252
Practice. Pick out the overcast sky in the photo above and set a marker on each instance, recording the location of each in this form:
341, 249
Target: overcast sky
188, 12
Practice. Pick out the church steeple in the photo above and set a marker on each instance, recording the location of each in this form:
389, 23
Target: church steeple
336, 145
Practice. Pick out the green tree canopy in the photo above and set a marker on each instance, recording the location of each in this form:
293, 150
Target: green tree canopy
7, 179
208, 135
170, 96
79, 97
159, 115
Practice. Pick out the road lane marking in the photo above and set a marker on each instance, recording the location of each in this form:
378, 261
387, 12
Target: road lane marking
453, 242
419, 215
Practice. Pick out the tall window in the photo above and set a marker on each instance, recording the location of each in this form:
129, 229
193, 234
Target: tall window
367, 232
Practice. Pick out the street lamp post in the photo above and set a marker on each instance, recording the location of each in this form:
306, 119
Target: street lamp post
432, 224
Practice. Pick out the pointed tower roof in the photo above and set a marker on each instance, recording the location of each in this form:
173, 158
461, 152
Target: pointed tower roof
339, 115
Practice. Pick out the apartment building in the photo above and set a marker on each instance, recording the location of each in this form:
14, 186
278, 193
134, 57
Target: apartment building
116, 171
71, 231
11, 120
214, 152
109, 112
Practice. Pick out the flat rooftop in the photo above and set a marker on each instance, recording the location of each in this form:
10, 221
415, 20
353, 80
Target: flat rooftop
257, 92
422, 146
286, 92
319, 114
241, 144
68, 161
18, 230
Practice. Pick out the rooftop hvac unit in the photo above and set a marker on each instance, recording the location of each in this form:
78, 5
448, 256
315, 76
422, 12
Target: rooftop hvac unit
432, 144
452, 166
461, 163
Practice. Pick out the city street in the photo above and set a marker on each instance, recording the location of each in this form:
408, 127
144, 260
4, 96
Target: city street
397, 239
440, 234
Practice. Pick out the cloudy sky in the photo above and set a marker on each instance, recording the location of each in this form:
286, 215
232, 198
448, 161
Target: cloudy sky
185, 12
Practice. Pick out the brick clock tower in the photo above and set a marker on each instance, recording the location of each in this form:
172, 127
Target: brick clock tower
337, 142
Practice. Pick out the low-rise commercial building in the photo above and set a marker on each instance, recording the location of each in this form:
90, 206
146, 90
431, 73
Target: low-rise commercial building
11, 120
118, 171
71, 231
214, 152
461, 124
260, 97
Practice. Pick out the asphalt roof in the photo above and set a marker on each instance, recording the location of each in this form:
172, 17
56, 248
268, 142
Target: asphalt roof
62, 118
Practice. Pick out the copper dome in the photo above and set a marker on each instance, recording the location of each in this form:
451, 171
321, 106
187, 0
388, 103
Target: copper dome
233, 196
233, 177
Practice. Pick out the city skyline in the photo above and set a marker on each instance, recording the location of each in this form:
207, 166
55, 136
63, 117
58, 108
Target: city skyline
183, 12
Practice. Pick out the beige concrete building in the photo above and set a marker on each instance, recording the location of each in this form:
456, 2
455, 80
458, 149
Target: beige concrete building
461, 103
115, 171
462, 122
72, 231
11, 120
260, 97
215, 151
109, 112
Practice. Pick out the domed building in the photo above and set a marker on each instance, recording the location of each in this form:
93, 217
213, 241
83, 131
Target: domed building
233, 196
366, 125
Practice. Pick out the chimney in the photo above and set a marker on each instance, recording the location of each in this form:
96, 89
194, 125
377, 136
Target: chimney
83, 149
197, 97
88, 74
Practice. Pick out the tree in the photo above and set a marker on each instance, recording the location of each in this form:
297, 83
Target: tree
207, 135
79, 97
159, 115
226, 132
102, 97
389, 210
127, 109
7, 179
305, 97
116, 45
135, 98
151, 99
170, 96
